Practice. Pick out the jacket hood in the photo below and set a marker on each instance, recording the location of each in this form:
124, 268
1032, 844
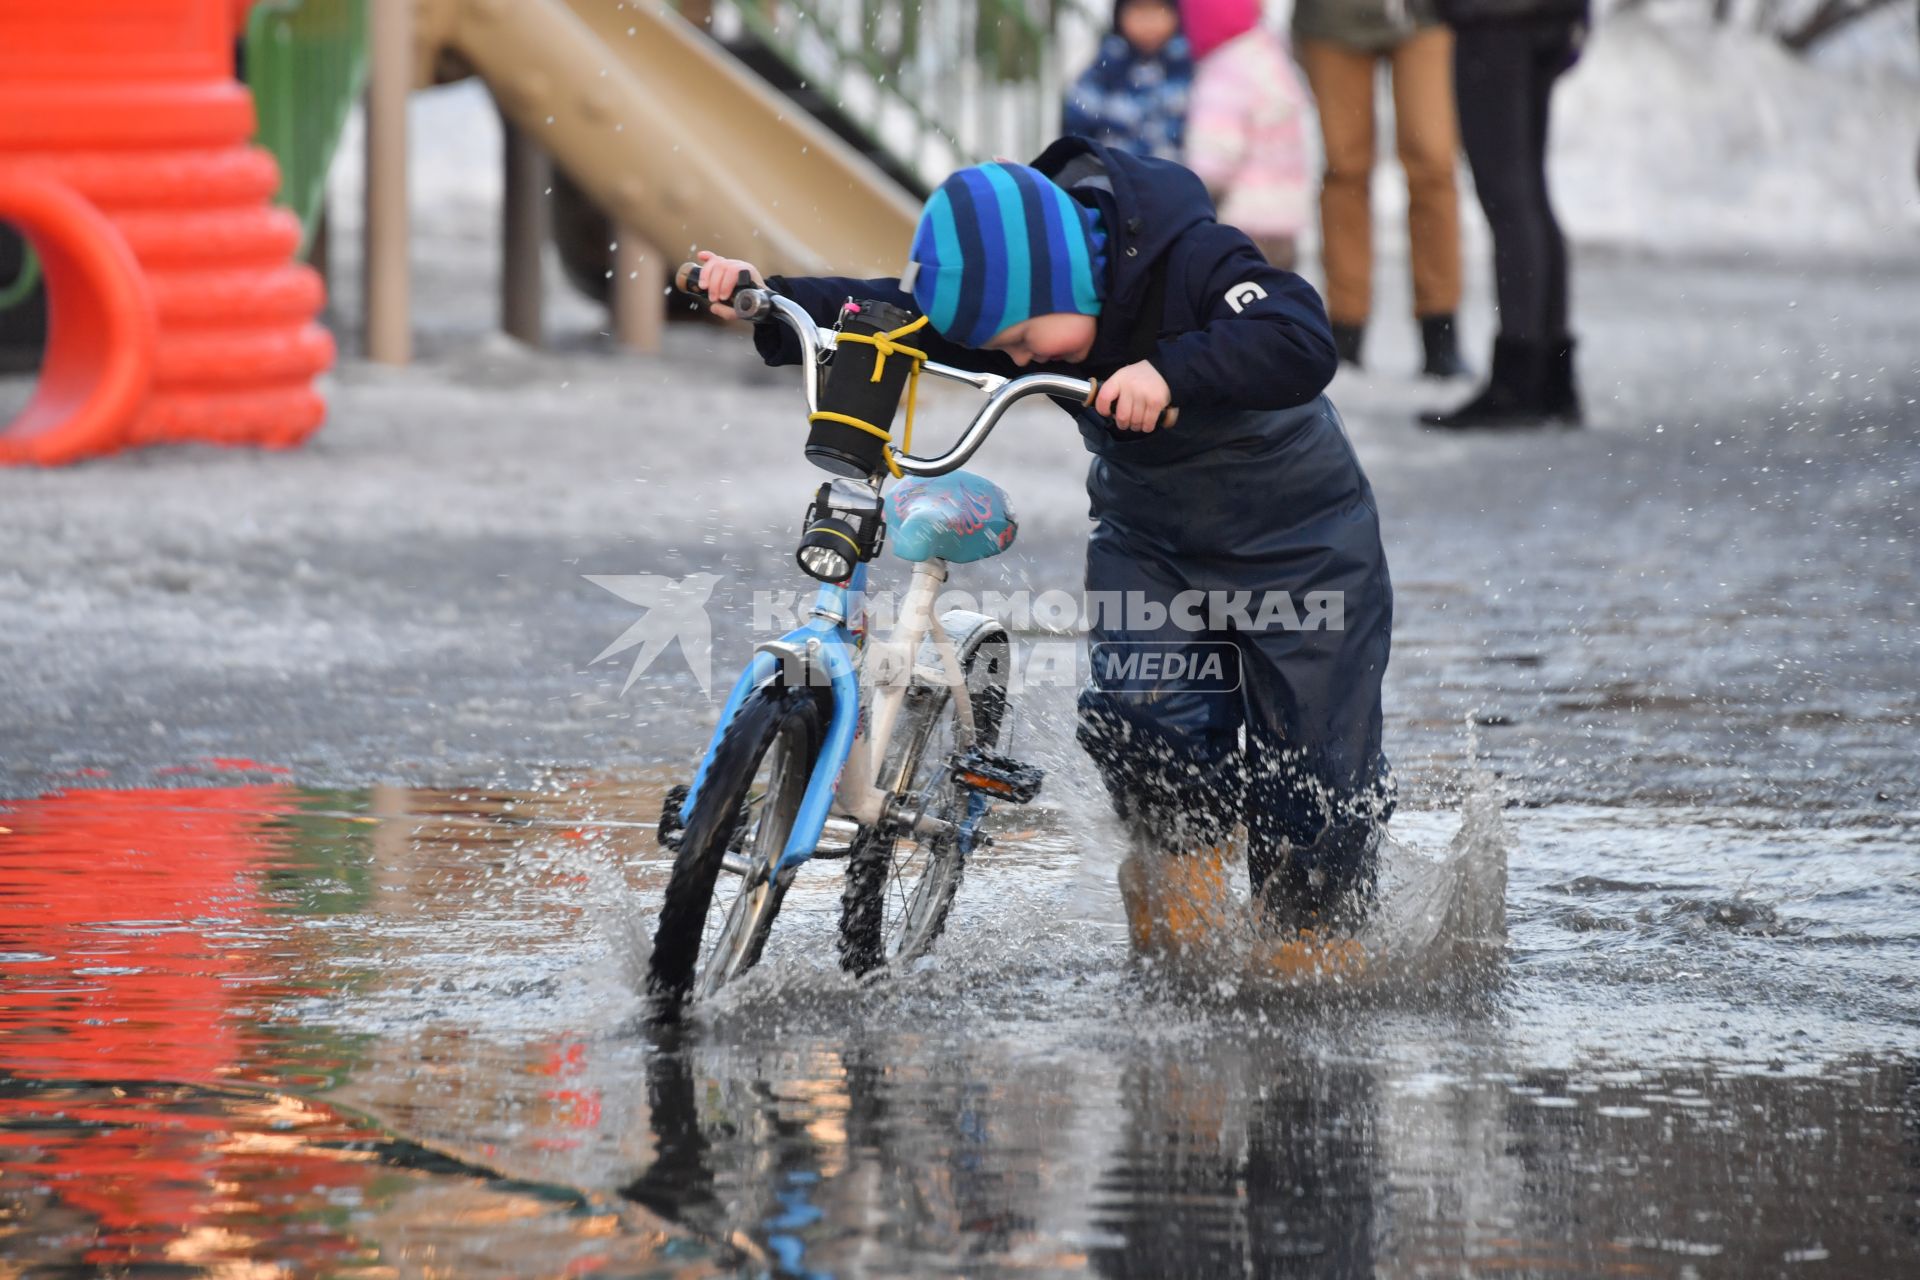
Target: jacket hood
1146, 203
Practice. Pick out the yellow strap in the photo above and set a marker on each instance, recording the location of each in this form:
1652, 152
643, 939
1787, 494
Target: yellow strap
844, 538
906, 431
884, 345
826, 415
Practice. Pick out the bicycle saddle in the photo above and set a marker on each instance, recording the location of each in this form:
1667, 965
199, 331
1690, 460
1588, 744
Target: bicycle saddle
959, 517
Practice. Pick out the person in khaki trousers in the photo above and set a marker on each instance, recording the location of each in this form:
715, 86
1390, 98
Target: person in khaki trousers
1342, 45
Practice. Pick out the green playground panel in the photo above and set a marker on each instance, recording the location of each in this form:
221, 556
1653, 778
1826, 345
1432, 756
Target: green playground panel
306, 62
20, 288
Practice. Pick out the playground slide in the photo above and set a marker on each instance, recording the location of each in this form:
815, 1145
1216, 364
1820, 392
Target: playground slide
670, 135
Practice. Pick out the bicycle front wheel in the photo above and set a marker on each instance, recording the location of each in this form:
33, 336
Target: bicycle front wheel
710, 932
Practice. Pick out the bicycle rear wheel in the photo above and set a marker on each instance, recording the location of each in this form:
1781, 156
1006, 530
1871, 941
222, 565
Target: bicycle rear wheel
900, 886
739, 826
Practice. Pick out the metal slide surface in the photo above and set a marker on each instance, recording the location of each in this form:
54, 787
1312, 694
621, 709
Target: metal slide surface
669, 134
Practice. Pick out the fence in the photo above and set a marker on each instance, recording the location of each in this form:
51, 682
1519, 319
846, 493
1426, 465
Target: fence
935, 84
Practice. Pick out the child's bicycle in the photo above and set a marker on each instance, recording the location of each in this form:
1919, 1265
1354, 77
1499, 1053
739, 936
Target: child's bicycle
897, 735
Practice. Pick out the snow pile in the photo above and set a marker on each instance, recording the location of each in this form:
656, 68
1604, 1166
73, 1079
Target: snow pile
1682, 140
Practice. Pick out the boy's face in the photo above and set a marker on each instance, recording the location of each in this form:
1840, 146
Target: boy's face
1058, 337
1148, 24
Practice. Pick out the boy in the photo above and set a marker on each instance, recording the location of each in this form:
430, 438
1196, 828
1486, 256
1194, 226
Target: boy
1097, 263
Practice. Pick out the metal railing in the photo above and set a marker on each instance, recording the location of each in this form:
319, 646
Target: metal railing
934, 84
306, 62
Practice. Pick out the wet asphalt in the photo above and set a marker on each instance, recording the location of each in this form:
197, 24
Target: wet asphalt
1706, 595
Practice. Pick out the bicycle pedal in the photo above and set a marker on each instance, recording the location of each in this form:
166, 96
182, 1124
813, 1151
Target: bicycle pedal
668, 831
1001, 777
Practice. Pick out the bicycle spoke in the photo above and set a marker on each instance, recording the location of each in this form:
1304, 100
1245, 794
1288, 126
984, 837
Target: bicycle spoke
734, 918
729, 891
920, 871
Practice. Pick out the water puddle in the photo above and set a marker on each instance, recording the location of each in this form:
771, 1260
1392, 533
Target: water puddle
264, 1030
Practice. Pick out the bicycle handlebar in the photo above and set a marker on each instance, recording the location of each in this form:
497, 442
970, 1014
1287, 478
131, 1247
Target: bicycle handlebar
762, 306
752, 303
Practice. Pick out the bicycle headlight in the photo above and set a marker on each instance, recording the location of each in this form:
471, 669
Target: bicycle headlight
845, 528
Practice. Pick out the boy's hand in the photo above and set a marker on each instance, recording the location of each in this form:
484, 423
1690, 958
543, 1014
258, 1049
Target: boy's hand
1134, 398
721, 276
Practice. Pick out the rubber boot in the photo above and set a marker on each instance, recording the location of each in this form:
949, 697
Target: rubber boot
1515, 394
1440, 340
1346, 341
1177, 904
1309, 955
1309, 910
1562, 391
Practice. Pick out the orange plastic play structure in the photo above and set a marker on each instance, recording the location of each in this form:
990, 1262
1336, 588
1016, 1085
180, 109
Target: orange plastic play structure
176, 309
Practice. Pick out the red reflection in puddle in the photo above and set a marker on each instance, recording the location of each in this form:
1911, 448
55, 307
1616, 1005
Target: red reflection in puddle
128, 923
189, 1177
131, 930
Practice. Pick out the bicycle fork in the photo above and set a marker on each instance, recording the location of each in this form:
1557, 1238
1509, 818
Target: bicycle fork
825, 648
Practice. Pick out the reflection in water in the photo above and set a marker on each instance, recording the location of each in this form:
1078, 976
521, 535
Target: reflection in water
808, 1164
264, 1031
145, 940
133, 934
142, 1173
771, 1224
1256, 1159
1757, 1173
1225, 1175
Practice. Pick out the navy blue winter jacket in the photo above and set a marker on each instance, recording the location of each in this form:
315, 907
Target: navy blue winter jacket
1233, 332
1133, 101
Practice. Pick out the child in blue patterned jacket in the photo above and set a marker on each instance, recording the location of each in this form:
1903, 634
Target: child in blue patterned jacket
1134, 96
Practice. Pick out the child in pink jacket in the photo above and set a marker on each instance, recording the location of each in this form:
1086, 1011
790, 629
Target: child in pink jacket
1246, 124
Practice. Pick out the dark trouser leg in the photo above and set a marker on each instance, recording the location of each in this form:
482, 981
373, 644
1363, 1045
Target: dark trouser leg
1493, 82
1318, 788
1552, 53
1167, 750
1299, 557
1504, 75
1554, 48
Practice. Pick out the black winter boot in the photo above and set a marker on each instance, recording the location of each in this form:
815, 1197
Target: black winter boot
1513, 397
1346, 340
1442, 343
1562, 392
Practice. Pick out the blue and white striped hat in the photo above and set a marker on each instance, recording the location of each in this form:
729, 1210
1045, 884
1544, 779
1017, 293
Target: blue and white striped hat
1000, 243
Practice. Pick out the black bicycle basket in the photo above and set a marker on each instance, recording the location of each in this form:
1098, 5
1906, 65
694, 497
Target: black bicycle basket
839, 447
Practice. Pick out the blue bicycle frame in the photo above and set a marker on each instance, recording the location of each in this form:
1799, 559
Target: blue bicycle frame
825, 638
835, 646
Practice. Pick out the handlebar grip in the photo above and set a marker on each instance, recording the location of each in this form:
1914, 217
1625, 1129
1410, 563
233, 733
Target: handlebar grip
749, 302
1168, 416
752, 304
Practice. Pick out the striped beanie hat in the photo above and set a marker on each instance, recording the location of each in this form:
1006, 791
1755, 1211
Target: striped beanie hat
1000, 243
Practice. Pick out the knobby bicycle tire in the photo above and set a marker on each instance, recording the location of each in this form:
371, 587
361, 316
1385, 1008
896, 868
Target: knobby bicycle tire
768, 716
862, 943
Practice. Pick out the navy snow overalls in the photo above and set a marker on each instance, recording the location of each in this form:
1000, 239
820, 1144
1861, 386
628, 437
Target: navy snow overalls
1254, 493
